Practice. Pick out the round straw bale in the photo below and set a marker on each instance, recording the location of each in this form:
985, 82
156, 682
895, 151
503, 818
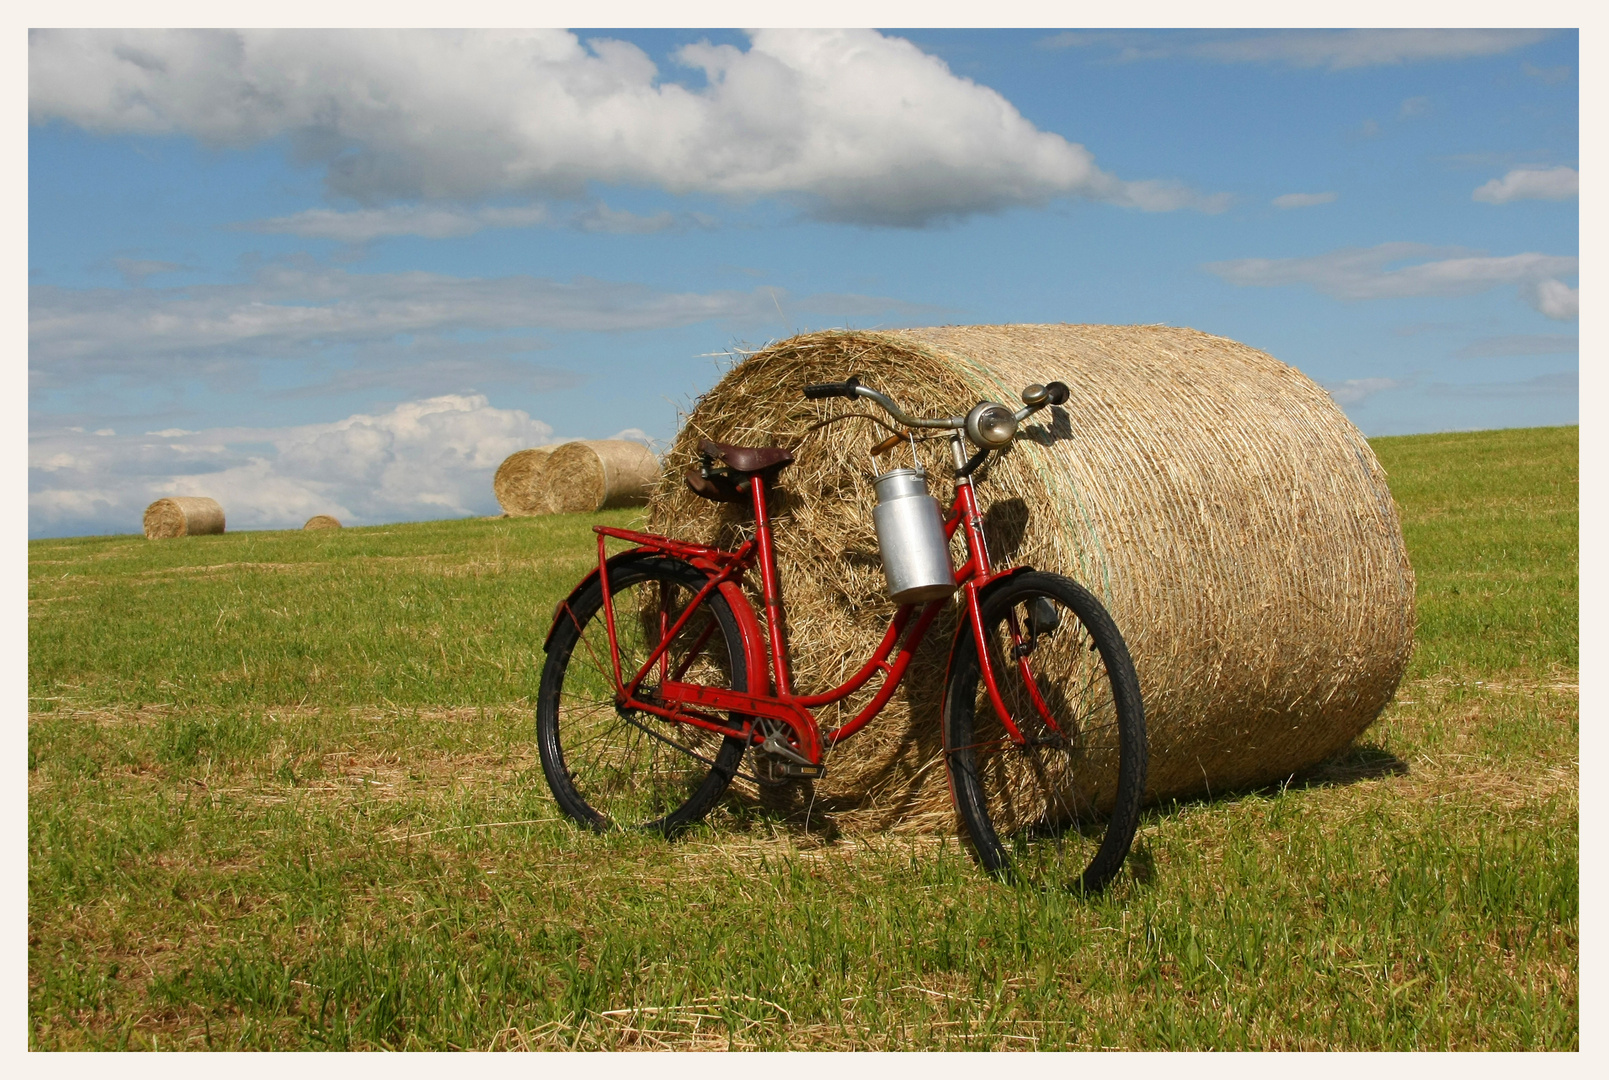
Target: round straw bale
183, 515
322, 521
581, 477
1233, 521
516, 486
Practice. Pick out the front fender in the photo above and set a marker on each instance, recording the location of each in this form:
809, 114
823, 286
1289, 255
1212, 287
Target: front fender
963, 625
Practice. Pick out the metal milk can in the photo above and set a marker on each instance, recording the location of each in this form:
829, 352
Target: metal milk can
910, 535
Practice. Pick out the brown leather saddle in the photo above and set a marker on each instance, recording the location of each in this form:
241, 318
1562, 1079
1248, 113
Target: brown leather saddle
730, 481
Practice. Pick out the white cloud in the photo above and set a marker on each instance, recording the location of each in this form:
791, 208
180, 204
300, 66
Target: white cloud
1552, 76
1561, 182
1296, 200
290, 311
1352, 391
1554, 384
435, 223
1369, 274
1555, 299
851, 125
135, 271
425, 459
1522, 345
601, 218
1337, 50
445, 222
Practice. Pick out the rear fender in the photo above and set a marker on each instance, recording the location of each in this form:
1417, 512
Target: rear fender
754, 651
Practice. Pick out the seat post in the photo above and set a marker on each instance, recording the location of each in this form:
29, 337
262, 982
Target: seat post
770, 587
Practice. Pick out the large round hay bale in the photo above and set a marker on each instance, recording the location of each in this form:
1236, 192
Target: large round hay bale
585, 476
516, 483
322, 521
1234, 522
183, 515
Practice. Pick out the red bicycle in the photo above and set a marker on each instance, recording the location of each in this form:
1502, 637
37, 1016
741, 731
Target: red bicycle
659, 676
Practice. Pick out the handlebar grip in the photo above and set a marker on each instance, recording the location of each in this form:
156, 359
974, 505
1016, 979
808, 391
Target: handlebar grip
1056, 393
817, 391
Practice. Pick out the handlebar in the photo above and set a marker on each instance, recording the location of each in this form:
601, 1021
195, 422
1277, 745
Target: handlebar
1035, 397
817, 391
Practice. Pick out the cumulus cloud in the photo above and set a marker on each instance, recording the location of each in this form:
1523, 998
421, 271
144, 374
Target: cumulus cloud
1337, 50
1353, 391
1297, 200
851, 125
425, 459
1561, 182
1370, 274
296, 310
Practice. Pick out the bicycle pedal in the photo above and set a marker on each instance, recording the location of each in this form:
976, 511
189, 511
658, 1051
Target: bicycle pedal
803, 772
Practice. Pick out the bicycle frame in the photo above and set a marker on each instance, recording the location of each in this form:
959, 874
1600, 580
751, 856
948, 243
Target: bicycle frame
693, 703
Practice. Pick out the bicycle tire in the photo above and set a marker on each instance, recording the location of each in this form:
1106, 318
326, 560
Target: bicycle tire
610, 767
1049, 809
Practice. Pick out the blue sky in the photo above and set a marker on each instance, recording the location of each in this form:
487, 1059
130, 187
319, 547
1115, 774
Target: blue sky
349, 272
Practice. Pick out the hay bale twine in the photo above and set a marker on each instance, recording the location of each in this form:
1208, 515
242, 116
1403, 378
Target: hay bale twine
183, 515
590, 475
1234, 522
322, 521
516, 484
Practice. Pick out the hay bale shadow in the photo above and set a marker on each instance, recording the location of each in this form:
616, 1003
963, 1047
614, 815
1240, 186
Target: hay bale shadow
1355, 764
1360, 761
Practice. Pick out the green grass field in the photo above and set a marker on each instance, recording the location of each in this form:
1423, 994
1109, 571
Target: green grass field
283, 793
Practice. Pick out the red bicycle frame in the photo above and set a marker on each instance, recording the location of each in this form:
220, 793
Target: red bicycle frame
698, 704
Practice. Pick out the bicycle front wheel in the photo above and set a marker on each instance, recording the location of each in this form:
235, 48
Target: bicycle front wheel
1061, 804
614, 767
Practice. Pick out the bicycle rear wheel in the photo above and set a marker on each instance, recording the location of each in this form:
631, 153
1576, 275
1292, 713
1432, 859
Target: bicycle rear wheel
612, 767
1062, 806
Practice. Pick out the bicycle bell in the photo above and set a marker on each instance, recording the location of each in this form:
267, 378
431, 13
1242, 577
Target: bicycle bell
990, 426
910, 537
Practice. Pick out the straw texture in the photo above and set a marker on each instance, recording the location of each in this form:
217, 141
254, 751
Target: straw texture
322, 521
182, 515
1231, 518
586, 476
516, 483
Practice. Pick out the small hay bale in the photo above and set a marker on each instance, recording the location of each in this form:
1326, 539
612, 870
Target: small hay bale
1234, 522
322, 521
183, 515
583, 477
516, 485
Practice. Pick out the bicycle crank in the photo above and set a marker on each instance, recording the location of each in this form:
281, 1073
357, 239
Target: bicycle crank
788, 762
